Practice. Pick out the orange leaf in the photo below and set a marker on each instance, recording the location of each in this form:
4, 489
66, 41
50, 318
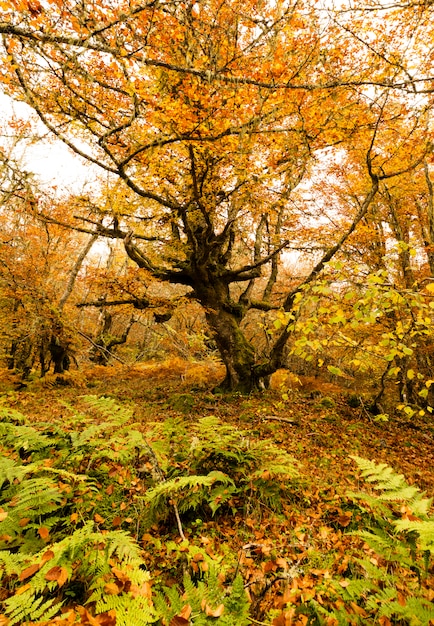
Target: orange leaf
218, 612
3, 515
98, 519
87, 619
49, 554
44, 532
144, 590
24, 521
177, 620
22, 589
73, 518
120, 575
116, 521
29, 571
112, 589
57, 574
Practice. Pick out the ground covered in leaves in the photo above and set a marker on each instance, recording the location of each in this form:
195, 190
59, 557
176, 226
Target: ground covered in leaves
290, 560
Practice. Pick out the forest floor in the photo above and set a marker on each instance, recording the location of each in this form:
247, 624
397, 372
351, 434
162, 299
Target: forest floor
318, 428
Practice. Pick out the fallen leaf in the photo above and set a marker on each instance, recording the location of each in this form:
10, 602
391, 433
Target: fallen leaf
44, 532
112, 589
178, 620
29, 571
49, 554
57, 574
218, 612
24, 521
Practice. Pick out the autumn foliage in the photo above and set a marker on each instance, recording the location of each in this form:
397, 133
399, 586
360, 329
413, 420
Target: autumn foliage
259, 215
229, 135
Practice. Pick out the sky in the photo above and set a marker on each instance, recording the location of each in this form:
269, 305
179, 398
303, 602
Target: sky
51, 161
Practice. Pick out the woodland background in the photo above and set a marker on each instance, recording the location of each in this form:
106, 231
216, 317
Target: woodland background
244, 282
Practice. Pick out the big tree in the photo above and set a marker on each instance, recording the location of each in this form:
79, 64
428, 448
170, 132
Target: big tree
209, 115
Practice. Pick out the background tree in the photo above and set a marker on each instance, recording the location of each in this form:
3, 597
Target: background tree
39, 266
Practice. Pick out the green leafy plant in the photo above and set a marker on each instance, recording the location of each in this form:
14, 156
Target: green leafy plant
222, 458
52, 552
108, 565
203, 602
393, 580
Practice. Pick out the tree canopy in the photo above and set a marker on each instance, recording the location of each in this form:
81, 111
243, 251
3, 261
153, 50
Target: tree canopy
230, 133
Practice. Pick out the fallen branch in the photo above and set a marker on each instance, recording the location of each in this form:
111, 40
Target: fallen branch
280, 419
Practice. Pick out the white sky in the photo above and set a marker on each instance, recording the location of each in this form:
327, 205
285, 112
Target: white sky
51, 161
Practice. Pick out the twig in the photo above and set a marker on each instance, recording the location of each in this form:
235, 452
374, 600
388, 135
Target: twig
178, 521
101, 347
280, 419
162, 479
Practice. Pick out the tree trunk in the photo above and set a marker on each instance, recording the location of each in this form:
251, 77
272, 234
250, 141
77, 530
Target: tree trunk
237, 353
224, 318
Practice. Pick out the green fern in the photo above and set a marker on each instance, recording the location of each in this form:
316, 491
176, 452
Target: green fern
86, 556
129, 610
7, 414
394, 486
11, 470
424, 530
25, 438
26, 506
258, 470
188, 491
399, 548
114, 438
204, 597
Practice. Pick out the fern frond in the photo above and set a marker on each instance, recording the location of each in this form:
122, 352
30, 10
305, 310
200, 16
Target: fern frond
12, 563
11, 470
237, 604
7, 414
189, 491
424, 529
416, 611
129, 611
92, 554
23, 437
394, 486
113, 412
